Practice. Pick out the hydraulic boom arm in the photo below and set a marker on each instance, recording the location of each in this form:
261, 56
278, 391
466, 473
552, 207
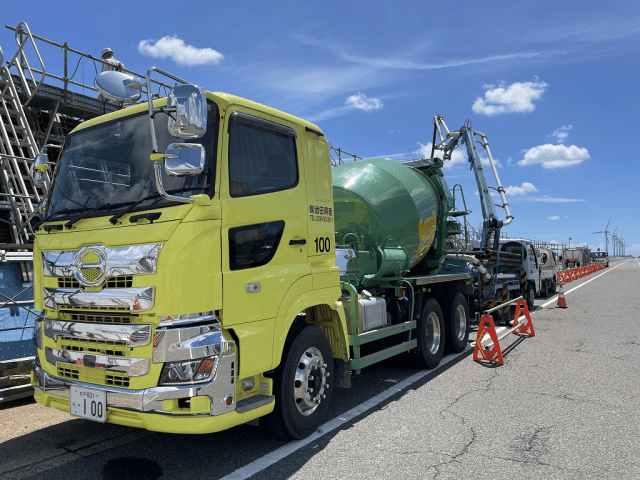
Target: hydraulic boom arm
466, 135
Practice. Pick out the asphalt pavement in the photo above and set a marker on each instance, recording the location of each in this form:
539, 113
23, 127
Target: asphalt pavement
565, 404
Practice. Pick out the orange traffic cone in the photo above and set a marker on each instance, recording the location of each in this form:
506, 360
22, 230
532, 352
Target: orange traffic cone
561, 301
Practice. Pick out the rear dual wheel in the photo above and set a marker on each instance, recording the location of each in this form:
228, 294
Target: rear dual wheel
431, 336
456, 318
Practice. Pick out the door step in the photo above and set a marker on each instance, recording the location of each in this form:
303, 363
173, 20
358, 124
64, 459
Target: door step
251, 403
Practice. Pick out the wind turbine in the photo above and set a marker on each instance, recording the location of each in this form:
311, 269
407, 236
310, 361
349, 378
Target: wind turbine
606, 235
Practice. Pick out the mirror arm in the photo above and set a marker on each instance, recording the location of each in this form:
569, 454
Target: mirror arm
154, 141
158, 170
166, 111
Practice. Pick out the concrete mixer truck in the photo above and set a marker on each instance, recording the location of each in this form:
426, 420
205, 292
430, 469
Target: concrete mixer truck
199, 265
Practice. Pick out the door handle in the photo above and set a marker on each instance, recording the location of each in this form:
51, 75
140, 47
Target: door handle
298, 242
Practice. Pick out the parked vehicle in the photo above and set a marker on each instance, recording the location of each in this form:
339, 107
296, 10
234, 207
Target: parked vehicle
600, 257
533, 269
236, 276
576, 257
548, 268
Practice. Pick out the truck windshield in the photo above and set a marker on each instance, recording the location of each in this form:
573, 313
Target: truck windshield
107, 166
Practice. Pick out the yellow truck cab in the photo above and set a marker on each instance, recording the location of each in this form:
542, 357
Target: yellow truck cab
185, 268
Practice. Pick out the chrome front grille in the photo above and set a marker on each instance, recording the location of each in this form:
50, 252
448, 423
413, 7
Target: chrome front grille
90, 345
78, 317
90, 375
97, 353
133, 300
128, 335
111, 282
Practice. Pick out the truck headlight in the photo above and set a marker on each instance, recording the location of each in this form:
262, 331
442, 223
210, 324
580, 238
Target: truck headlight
190, 371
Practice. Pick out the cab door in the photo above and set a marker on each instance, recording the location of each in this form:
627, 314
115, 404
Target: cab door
264, 215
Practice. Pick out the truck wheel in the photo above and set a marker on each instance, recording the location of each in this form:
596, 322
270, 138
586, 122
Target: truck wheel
553, 287
530, 295
545, 289
430, 336
301, 384
456, 318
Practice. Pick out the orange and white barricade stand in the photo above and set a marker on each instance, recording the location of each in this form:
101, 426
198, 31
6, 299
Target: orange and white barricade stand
492, 352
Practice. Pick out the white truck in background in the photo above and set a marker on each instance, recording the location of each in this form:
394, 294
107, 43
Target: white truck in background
600, 257
538, 269
548, 270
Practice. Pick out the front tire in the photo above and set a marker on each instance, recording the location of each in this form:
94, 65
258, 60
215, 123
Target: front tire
530, 295
301, 384
456, 318
431, 331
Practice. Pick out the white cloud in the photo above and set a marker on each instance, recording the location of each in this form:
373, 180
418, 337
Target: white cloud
522, 192
172, 47
525, 188
562, 133
554, 217
555, 156
554, 242
361, 102
515, 98
632, 250
357, 101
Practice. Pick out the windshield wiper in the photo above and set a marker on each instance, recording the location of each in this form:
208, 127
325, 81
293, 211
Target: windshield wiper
70, 223
117, 216
48, 217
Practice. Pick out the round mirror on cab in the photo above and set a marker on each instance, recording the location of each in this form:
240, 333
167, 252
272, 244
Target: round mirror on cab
191, 112
118, 86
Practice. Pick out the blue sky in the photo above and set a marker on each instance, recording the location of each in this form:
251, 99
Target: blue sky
554, 85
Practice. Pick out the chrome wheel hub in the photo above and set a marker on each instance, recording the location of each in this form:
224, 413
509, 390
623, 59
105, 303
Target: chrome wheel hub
433, 333
310, 381
460, 322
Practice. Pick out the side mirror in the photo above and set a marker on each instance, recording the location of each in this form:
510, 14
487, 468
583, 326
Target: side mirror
41, 163
37, 169
42, 208
184, 159
190, 106
118, 86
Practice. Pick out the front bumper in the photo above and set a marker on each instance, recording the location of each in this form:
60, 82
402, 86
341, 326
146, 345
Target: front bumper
149, 400
171, 343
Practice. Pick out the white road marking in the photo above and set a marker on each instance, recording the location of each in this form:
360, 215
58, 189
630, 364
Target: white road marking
291, 447
286, 450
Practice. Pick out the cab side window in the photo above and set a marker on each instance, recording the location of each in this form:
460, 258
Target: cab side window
262, 156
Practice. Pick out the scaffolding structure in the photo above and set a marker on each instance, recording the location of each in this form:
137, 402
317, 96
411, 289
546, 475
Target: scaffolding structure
39, 106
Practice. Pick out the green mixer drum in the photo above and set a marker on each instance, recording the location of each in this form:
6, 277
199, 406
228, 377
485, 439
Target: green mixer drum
386, 203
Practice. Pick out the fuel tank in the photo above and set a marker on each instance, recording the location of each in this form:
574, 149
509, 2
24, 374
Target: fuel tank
389, 210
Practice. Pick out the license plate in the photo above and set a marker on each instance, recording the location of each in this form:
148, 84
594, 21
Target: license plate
88, 403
